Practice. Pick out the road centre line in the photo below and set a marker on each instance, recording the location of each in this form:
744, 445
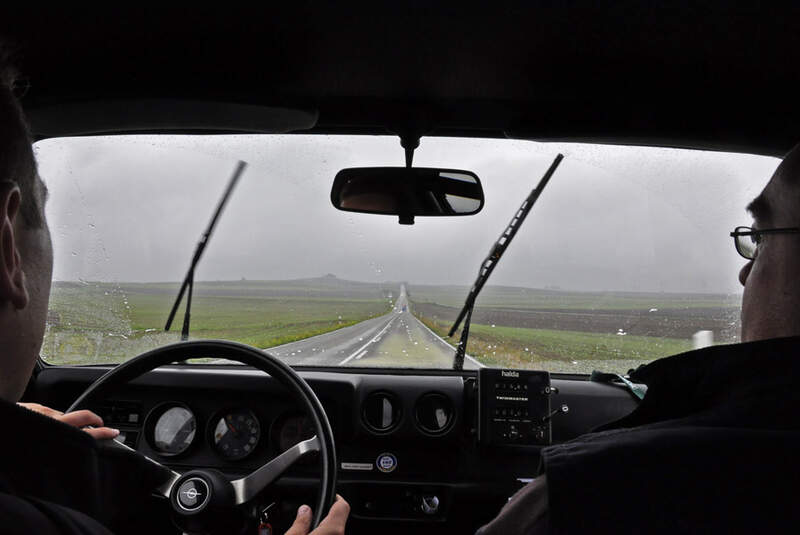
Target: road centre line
373, 339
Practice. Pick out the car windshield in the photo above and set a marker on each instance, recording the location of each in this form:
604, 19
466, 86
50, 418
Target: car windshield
625, 258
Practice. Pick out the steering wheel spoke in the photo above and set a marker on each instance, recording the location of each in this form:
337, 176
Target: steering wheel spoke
248, 487
165, 488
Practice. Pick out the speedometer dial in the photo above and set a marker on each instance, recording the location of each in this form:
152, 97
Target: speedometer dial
236, 434
293, 430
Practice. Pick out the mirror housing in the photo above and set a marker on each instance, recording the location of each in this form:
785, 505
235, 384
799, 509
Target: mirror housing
407, 192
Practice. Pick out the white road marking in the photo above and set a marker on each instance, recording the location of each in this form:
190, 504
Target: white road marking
278, 349
373, 339
448, 344
358, 357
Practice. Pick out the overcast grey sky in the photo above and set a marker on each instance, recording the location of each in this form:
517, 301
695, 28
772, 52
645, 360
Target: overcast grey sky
613, 218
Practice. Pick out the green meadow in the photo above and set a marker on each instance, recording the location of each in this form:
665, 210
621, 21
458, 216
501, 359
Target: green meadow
511, 297
568, 332
95, 323
560, 351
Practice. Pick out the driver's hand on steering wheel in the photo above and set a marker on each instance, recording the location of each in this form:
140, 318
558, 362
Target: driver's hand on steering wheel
86, 420
333, 524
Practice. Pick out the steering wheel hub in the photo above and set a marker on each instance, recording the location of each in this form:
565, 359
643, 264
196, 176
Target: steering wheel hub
192, 494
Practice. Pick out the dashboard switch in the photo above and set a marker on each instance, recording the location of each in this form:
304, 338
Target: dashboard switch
430, 505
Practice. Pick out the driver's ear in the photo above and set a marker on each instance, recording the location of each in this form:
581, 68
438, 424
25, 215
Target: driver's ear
13, 288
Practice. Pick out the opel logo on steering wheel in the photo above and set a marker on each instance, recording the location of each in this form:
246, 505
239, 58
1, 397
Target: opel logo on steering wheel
192, 494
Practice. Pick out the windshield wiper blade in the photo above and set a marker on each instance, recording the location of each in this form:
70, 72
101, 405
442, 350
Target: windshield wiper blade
488, 265
188, 281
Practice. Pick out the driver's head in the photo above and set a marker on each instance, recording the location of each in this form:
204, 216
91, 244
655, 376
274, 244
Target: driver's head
26, 255
771, 301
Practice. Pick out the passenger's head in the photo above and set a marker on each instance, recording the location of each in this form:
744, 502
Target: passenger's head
771, 301
26, 257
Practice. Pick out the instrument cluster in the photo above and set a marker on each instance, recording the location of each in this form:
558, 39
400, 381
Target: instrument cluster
234, 433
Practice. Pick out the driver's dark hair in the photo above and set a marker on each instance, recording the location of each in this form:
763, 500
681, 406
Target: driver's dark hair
17, 162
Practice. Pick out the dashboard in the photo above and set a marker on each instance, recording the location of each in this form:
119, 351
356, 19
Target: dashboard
415, 448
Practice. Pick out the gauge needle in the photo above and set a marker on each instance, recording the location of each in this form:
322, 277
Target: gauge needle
230, 426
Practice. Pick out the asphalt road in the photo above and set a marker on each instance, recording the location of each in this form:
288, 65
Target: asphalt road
396, 339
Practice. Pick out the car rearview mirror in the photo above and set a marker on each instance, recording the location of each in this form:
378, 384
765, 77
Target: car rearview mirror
407, 192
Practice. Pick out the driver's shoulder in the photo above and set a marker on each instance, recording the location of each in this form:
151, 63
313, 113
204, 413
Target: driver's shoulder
25, 515
44, 459
29, 426
33, 440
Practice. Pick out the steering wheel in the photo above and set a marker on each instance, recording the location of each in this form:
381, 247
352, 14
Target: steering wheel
200, 495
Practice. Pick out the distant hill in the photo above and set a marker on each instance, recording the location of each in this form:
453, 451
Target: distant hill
328, 286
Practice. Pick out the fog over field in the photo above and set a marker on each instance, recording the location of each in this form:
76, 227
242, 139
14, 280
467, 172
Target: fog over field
613, 218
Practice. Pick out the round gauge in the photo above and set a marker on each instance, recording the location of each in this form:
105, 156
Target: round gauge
294, 429
236, 433
174, 430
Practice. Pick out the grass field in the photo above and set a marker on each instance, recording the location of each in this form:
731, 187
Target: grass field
570, 332
560, 351
577, 332
95, 323
534, 298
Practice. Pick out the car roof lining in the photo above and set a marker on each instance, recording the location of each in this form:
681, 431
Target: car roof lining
711, 76
165, 115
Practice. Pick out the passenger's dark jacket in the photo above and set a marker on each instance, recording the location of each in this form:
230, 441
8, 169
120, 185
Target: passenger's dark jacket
714, 447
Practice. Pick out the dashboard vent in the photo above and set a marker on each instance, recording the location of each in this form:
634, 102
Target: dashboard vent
381, 412
434, 413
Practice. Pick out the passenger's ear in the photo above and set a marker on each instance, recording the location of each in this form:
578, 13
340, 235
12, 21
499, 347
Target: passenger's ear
12, 278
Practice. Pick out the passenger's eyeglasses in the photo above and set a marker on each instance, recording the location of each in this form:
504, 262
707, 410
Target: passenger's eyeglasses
746, 239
